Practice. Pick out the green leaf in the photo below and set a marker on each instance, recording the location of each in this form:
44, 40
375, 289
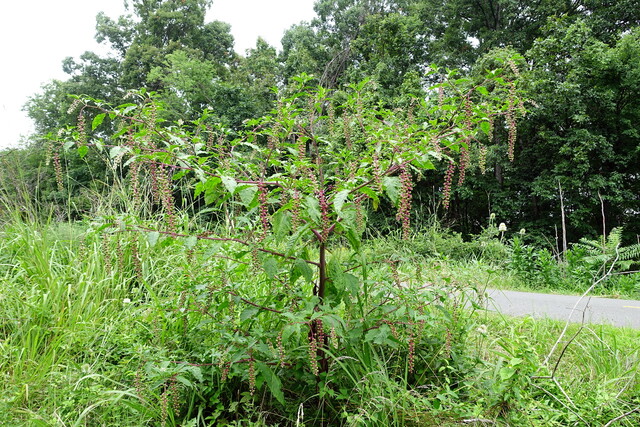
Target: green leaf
249, 313
281, 222
272, 381
229, 183
270, 266
391, 185
506, 373
483, 90
97, 121
116, 151
313, 208
486, 127
196, 371
354, 239
301, 268
340, 200
247, 194
152, 238
372, 195
379, 335
190, 242
82, 151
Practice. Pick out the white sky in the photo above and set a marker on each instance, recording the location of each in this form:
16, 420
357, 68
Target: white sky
36, 35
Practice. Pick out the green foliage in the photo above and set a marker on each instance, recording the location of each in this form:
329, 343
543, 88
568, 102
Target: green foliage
272, 310
609, 250
538, 269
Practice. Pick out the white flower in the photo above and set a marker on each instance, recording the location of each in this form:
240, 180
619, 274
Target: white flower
126, 301
502, 227
522, 231
482, 329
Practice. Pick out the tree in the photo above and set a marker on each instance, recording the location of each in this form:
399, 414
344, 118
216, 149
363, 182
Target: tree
290, 186
581, 134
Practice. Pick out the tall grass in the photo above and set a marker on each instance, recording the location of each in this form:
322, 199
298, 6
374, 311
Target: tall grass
96, 321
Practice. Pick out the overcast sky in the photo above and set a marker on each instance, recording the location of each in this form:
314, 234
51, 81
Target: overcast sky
36, 35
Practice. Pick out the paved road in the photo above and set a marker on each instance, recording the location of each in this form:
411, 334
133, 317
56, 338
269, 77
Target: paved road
616, 312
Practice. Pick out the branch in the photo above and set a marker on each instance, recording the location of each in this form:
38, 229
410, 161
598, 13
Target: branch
228, 239
618, 418
246, 301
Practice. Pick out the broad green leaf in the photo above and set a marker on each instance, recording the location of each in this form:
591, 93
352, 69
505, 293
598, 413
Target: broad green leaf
485, 127
272, 381
229, 183
372, 195
190, 242
379, 335
116, 151
391, 185
249, 313
97, 121
483, 90
313, 208
354, 239
340, 200
196, 371
281, 222
301, 268
270, 266
247, 194
506, 373
306, 271
82, 151
152, 238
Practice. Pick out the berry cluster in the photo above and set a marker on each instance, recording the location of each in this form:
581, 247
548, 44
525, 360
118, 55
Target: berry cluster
464, 162
163, 178
263, 196
482, 161
82, 129
404, 205
324, 212
252, 374
448, 180
412, 353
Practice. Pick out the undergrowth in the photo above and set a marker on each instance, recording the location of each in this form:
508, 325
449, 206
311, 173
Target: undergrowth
108, 327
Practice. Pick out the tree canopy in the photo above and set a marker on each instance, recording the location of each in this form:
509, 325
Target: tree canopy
580, 71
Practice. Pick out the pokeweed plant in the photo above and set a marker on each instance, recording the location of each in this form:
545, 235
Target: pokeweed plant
271, 297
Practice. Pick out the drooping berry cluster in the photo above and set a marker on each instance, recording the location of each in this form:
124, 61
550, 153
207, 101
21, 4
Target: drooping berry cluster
404, 205
448, 180
324, 212
137, 261
252, 374
263, 196
346, 119
393, 264
295, 209
163, 177
464, 162
412, 352
511, 123
82, 129
313, 350
377, 171
482, 161
57, 166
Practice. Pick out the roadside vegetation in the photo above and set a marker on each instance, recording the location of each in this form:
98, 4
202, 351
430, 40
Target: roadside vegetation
118, 329
306, 237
